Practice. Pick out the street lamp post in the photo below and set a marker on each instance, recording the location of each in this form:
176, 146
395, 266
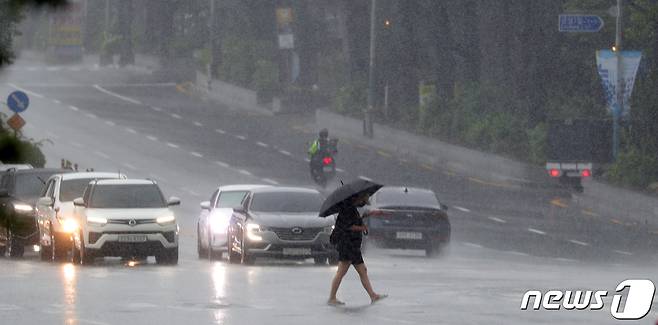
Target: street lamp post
367, 114
619, 87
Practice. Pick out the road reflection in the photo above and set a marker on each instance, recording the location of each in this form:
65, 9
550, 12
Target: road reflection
219, 284
70, 294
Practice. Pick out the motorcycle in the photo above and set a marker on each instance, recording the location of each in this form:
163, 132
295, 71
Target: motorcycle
323, 164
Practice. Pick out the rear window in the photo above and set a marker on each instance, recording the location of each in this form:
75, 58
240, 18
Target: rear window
230, 199
126, 196
286, 202
30, 185
71, 189
398, 198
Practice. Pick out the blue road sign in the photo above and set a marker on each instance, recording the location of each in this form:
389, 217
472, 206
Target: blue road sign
580, 23
18, 101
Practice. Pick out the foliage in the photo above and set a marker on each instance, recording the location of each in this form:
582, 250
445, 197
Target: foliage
351, 99
14, 150
634, 168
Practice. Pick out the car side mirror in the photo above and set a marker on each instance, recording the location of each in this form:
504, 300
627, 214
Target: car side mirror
173, 201
444, 207
205, 205
46, 201
4, 193
79, 202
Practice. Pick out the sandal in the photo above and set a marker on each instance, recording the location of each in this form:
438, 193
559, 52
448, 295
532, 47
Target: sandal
378, 298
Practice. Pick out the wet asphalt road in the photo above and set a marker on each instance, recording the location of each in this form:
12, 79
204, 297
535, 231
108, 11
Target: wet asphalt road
506, 240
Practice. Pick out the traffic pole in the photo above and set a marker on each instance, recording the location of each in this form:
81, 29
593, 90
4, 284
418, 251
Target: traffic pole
367, 114
619, 87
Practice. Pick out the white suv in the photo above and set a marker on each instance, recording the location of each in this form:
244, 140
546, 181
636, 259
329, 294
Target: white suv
55, 216
126, 218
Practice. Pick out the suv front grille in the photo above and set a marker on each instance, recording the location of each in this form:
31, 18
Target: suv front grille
288, 234
127, 221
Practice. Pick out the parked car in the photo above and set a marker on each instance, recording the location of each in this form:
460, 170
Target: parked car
280, 222
19, 191
127, 218
56, 220
213, 221
407, 218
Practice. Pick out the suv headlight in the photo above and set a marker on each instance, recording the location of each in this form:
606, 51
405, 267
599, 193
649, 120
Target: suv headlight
165, 220
252, 232
97, 220
69, 225
24, 208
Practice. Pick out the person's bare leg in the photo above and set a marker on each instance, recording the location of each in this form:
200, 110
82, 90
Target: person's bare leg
343, 267
365, 280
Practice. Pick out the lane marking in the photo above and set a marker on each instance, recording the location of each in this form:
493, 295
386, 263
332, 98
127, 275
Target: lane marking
101, 154
73, 108
283, 152
365, 178
223, 164
220, 131
56, 101
245, 172
449, 173
309, 160
129, 166
536, 231
110, 123
499, 220
176, 116
479, 181
264, 145
91, 115
590, 213
562, 259
152, 138
340, 170
578, 242
517, 253
77, 144
198, 124
196, 154
173, 145
129, 130
616, 221
25, 90
241, 137
461, 209
427, 167
157, 109
469, 244
384, 153
271, 181
559, 203
623, 252
128, 99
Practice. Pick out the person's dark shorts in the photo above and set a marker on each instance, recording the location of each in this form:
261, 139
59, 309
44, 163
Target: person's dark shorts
350, 253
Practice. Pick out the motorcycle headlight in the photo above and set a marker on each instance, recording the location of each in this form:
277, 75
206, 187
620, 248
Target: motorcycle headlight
97, 220
69, 225
252, 232
165, 220
24, 208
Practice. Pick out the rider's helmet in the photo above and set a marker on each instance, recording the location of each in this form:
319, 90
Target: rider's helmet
324, 133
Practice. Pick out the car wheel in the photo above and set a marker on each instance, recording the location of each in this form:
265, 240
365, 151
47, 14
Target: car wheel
233, 257
199, 248
209, 253
58, 252
3, 250
245, 257
16, 246
85, 257
167, 257
45, 252
320, 260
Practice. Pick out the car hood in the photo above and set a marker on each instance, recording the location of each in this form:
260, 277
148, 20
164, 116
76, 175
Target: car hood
127, 214
279, 219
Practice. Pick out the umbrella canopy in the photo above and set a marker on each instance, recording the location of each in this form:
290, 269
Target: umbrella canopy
341, 196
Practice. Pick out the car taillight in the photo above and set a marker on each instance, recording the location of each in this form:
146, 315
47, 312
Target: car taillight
554, 172
327, 160
586, 173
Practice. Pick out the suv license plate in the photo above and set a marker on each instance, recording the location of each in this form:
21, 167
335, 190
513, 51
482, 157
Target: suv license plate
296, 251
409, 235
132, 238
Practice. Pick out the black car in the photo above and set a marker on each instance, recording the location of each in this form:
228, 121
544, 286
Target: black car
407, 218
19, 191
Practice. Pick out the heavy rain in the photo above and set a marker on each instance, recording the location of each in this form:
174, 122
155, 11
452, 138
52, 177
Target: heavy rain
325, 162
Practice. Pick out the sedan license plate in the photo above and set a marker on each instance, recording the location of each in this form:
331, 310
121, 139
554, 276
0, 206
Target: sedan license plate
327, 169
409, 235
296, 251
132, 238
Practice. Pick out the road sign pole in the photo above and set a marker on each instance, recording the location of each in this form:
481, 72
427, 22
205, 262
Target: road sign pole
619, 87
367, 114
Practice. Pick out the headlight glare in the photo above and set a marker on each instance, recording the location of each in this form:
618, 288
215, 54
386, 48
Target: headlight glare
165, 219
69, 225
20, 207
252, 230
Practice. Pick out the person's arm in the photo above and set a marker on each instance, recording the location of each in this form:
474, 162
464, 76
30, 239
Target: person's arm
359, 228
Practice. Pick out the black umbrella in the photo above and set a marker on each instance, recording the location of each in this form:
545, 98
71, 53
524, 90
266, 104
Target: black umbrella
341, 196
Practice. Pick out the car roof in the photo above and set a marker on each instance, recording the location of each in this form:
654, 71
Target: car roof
284, 189
241, 187
91, 175
124, 182
40, 171
392, 189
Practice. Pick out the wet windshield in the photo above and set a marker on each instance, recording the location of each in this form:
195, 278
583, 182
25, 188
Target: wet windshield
71, 189
286, 202
398, 198
30, 185
126, 197
230, 199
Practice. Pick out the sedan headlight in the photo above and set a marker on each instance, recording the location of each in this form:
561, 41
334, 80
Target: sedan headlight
21, 207
69, 225
97, 220
219, 224
252, 232
165, 220
329, 229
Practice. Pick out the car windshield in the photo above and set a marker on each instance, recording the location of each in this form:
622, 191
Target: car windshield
31, 184
73, 188
126, 196
286, 202
399, 198
230, 199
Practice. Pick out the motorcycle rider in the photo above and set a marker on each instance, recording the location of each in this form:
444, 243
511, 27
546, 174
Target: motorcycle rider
317, 150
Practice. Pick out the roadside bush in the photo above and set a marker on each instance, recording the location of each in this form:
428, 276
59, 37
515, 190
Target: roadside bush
633, 168
265, 80
16, 151
351, 99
